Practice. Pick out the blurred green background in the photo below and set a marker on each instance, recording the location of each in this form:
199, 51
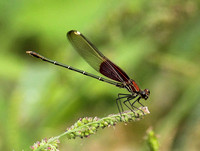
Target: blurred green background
156, 42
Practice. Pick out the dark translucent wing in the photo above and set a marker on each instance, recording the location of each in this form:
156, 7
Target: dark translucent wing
107, 67
95, 58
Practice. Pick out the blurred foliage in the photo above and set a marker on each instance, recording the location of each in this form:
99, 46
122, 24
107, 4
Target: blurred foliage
155, 42
152, 140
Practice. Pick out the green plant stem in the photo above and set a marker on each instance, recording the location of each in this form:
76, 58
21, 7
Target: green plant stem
87, 126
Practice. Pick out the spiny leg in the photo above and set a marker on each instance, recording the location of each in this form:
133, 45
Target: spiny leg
137, 100
123, 96
140, 103
118, 106
118, 101
130, 108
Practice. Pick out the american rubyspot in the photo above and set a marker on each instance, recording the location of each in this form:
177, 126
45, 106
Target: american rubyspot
103, 65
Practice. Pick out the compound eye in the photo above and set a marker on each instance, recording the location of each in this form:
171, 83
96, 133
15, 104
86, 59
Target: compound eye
147, 91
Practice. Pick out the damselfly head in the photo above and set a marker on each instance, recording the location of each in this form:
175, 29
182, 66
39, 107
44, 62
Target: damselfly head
145, 94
